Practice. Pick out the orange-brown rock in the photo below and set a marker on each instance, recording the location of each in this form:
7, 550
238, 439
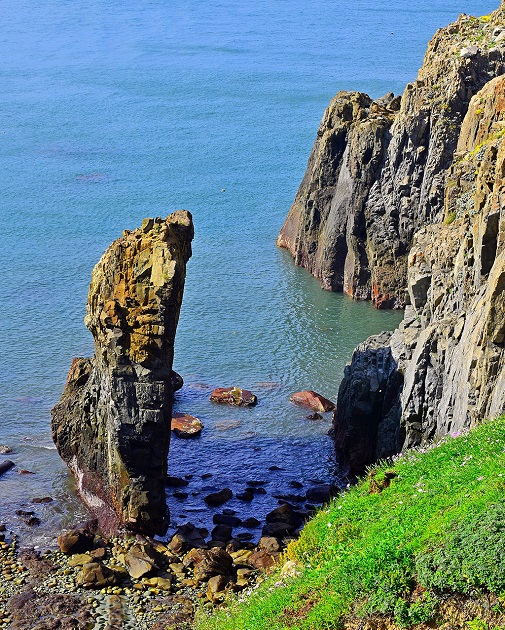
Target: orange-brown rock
234, 396
314, 401
112, 423
186, 426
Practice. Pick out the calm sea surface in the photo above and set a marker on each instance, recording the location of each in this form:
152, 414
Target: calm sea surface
114, 111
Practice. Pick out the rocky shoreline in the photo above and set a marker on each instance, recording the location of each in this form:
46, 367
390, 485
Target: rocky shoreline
132, 581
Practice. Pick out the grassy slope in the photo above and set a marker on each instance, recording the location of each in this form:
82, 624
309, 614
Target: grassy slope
440, 524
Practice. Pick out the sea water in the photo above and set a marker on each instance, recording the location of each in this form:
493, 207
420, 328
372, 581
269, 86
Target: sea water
115, 111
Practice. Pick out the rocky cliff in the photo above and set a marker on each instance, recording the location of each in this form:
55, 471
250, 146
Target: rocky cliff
112, 423
377, 171
443, 369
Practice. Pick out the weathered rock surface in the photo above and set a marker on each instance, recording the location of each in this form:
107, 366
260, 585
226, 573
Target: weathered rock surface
313, 400
443, 369
377, 170
186, 426
234, 396
112, 424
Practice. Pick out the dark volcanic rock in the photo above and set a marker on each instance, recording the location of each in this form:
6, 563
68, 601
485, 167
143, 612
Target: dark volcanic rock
319, 494
218, 498
111, 424
222, 533
176, 482
247, 495
367, 420
177, 381
286, 515
251, 522
226, 519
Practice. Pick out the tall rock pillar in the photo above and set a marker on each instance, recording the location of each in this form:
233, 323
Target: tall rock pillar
112, 423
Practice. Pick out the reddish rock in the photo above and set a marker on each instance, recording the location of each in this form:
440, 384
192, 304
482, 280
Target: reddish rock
234, 396
76, 542
261, 559
186, 426
311, 399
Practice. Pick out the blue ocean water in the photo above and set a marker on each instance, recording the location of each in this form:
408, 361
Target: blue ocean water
111, 112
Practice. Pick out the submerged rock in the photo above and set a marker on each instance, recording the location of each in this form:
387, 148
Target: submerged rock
311, 399
111, 425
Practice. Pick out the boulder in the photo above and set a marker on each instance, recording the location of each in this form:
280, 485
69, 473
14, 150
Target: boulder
188, 537
214, 562
226, 519
186, 426
96, 575
216, 587
111, 423
246, 495
319, 494
218, 498
222, 533
76, 541
269, 544
176, 482
234, 396
262, 560
251, 523
177, 381
286, 515
313, 400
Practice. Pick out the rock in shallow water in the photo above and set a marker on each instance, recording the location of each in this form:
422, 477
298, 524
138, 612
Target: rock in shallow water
218, 498
186, 426
110, 425
234, 396
313, 400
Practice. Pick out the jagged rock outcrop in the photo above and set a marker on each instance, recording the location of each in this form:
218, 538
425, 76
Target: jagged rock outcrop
112, 423
377, 171
443, 369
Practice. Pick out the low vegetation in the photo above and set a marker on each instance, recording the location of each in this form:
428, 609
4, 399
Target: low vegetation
415, 531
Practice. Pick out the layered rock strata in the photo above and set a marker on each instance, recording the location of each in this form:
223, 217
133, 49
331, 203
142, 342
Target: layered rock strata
443, 369
377, 170
112, 423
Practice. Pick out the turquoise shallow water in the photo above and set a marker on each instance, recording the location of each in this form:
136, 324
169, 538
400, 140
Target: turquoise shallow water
111, 112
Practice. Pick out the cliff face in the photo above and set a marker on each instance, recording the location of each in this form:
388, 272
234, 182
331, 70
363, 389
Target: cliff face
443, 369
112, 423
377, 171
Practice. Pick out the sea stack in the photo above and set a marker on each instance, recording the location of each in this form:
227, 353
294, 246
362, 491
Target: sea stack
112, 423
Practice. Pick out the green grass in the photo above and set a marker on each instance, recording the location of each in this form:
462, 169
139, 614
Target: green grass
366, 553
